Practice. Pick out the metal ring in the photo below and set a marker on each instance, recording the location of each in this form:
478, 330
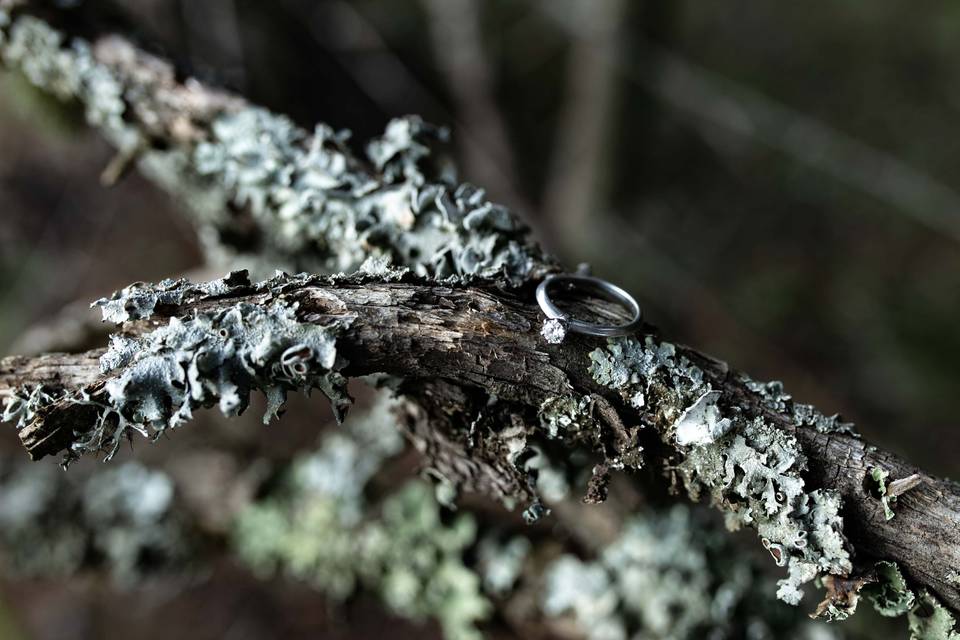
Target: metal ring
604, 289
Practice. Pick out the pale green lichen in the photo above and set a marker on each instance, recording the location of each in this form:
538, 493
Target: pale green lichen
142, 300
315, 527
774, 397
700, 423
749, 468
69, 72
153, 382
930, 620
890, 595
122, 519
665, 577
879, 477
316, 207
501, 563
26, 403
879, 485
313, 200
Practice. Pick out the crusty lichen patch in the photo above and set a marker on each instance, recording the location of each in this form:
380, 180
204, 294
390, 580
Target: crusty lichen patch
567, 416
748, 467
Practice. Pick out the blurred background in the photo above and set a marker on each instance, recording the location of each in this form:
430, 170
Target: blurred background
777, 184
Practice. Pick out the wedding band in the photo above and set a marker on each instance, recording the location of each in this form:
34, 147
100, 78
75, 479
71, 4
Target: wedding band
596, 286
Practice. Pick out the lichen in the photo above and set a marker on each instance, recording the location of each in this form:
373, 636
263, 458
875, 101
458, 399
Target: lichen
584, 424
890, 595
24, 404
141, 300
317, 528
315, 206
774, 397
154, 381
879, 486
130, 511
879, 489
312, 199
501, 563
567, 416
700, 423
930, 620
665, 576
122, 519
67, 71
748, 467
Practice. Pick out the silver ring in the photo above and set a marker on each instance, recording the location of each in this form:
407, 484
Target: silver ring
602, 288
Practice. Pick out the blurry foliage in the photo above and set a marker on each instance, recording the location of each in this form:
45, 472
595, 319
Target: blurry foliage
316, 527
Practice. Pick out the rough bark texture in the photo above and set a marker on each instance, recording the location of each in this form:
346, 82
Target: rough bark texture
481, 339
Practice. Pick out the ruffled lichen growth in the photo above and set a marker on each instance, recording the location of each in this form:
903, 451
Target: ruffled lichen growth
141, 300
311, 204
313, 199
122, 519
748, 467
590, 427
667, 576
154, 381
930, 620
774, 397
316, 527
890, 595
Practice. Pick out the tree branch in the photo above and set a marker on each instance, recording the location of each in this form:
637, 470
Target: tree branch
478, 338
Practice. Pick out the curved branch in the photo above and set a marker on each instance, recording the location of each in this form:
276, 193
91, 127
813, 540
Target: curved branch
484, 339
